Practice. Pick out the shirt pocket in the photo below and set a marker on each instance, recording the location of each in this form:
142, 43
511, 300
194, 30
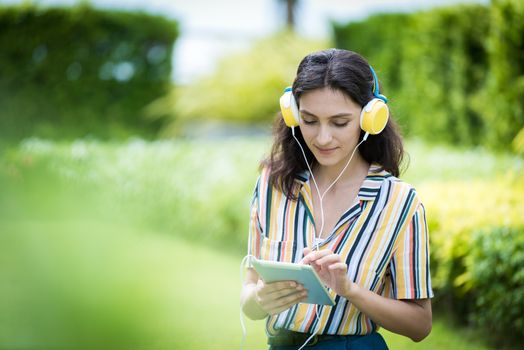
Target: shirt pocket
284, 251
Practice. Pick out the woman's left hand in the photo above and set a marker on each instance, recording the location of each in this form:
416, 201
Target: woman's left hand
330, 268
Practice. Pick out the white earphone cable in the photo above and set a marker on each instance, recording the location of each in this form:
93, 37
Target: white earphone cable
321, 197
242, 322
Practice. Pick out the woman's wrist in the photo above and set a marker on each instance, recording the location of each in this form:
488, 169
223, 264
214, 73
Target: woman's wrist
352, 291
251, 307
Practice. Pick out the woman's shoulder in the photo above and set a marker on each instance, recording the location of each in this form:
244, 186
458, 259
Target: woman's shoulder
263, 182
264, 176
397, 186
267, 181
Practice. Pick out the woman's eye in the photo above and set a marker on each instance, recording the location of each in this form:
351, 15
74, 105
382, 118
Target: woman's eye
341, 125
308, 122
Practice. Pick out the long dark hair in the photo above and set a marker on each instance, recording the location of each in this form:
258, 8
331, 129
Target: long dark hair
350, 73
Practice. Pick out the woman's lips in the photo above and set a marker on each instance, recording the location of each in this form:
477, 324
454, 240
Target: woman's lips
326, 151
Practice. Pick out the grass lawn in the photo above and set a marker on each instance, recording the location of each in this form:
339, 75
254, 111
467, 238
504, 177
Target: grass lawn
86, 284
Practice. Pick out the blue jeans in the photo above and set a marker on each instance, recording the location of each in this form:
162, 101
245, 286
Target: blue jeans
373, 341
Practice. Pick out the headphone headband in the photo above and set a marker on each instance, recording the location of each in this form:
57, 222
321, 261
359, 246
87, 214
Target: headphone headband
376, 88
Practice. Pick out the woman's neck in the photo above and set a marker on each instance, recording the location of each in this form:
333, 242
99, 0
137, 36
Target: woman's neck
356, 171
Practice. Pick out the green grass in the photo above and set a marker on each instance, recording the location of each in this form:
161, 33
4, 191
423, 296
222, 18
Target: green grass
85, 284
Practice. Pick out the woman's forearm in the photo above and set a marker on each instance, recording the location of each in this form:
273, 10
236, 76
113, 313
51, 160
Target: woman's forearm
409, 318
247, 300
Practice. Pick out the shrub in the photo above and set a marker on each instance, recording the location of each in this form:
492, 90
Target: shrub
501, 101
495, 267
454, 74
72, 72
386, 57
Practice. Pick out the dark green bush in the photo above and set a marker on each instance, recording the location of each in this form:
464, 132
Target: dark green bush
71, 72
496, 271
444, 65
377, 39
501, 102
453, 74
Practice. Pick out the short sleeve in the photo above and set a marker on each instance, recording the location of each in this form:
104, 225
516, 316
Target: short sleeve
409, 267
255, 228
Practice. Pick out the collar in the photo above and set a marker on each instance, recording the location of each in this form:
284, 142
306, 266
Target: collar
368, 190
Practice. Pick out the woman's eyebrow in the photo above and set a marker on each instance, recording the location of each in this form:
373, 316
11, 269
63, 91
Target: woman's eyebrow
338, 115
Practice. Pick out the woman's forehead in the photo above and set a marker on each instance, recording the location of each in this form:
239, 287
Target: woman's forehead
327, 99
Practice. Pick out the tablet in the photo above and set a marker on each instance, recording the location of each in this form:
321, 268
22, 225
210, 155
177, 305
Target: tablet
274, 271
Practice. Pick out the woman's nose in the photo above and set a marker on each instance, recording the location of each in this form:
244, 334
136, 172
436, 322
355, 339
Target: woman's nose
324, 136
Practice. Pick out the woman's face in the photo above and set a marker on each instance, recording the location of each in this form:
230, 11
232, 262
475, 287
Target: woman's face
330, 125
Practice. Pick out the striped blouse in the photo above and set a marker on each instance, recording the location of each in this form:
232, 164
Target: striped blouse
382, 237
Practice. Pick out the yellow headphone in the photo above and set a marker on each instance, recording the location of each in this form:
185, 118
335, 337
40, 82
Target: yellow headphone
373, 118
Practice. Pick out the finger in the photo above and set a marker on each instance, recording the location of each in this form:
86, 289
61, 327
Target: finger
276, 301
278, 298
286, 303
328, 260
305, 252
284, 292
316, 255
338, 267
277, 286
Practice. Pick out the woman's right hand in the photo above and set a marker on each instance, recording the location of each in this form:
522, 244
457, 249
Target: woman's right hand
276, 297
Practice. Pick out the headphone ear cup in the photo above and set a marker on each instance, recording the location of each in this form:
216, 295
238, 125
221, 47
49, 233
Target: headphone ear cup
374, 116
289, 109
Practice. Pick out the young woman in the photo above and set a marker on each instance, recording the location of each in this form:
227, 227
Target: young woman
329, 196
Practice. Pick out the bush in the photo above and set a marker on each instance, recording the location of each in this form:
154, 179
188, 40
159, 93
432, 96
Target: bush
444, 64
447, 80
496, 271
386, 57
501, 101
70, 72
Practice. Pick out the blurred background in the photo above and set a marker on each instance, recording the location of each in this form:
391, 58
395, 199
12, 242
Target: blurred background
130, 138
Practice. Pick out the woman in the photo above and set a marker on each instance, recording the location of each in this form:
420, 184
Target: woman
343, 211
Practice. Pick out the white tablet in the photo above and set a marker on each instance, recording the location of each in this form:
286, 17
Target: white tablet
274, 271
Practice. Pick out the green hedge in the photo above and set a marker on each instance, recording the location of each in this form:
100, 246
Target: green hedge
379, 43
80, 71
496, 268
501, 102
454, 74
475, 224
485, 286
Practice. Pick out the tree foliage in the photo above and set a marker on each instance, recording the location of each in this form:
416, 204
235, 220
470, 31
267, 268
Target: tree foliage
453, 74
73, 71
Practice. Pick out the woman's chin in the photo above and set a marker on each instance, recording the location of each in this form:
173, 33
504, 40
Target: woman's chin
327, 161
